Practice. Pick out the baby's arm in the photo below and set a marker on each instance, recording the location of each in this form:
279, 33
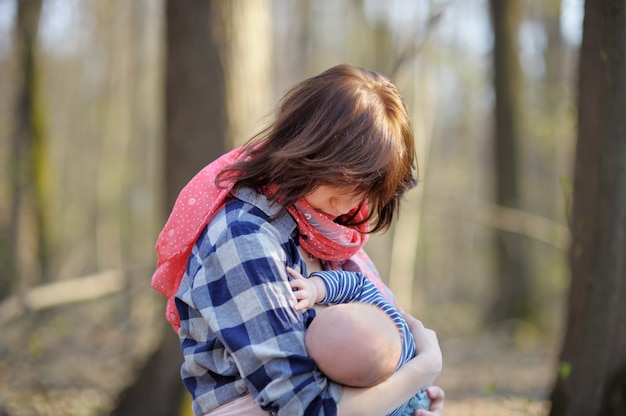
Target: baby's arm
308, 292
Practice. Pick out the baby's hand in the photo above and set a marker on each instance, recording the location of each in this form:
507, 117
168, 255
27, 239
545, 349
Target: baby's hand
304, 290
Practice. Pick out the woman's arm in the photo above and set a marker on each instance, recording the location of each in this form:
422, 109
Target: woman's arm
403, 384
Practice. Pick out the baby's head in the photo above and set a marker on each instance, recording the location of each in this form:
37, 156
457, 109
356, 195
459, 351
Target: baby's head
355, 344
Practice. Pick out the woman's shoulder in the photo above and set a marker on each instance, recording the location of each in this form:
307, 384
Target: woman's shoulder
248, 209
247, 212
241, 231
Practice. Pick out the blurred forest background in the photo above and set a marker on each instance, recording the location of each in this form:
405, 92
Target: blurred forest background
108, 107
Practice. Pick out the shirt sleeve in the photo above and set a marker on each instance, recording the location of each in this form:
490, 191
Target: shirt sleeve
240, 289
344, 287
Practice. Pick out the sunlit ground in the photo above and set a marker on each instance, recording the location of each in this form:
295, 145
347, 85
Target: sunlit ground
73, 363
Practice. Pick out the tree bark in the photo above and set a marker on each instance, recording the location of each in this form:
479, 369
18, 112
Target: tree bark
27, 255
195, 130
592, 376
195, 114
554, 92
512, 298
242, 29
217, 84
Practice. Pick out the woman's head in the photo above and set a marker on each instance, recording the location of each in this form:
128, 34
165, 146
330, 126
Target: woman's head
347, 128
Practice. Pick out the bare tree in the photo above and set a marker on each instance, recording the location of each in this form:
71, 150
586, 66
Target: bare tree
242, 29
27, 256
194, 135
555, 91
217, 82
512, 285
592, 372
195, 115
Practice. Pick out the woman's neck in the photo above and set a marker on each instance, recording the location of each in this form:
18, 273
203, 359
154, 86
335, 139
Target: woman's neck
313, 264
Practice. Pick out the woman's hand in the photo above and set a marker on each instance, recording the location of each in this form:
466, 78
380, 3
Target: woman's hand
437, 397
428, 353
425, 340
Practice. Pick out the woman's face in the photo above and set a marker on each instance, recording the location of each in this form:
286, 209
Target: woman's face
333, 201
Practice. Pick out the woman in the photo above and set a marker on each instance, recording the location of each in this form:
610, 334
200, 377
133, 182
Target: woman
302, 194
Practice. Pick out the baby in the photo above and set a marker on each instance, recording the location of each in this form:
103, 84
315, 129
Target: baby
355, 344
361, 338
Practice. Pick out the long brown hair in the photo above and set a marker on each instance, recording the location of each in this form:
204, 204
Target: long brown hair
346, 127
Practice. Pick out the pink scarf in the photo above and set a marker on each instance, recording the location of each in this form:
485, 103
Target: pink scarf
340, 246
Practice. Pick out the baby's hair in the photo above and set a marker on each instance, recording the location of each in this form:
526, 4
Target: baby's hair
355, 344
346, 127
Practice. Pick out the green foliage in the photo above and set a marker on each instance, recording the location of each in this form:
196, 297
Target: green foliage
36, 346
566, 186
185, 408
565, 369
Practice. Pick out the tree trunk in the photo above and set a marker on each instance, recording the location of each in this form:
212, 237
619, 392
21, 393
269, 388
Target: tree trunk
158, 389
28, 256
195, 130
195, 114
242, 28
554, 91
217, 85
592, 373
512, 285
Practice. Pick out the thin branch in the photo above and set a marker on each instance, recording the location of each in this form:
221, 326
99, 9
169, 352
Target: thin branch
502, 218
62, 293
411, 51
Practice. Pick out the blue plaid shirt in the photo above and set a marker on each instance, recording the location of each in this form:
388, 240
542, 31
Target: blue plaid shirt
239, 332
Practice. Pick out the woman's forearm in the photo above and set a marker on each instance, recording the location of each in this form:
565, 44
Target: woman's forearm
383, 398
